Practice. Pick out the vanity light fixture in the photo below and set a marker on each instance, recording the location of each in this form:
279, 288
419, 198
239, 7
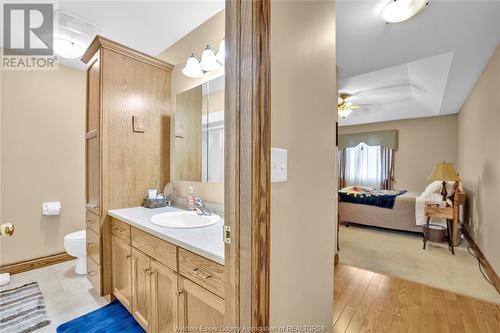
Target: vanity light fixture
209, 60
193, 67
397, 11
67, 48
222, 53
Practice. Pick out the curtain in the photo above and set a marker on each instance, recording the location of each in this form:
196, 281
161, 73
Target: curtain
366, 166
341, 167
387, 168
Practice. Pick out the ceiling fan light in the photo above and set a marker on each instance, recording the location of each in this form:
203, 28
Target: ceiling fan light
192, 68
222, 52
397, 11
67, 48
209, 60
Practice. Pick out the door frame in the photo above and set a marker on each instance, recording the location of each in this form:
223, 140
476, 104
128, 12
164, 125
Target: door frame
247, 162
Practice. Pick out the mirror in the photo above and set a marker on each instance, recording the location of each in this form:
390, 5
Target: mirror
199, 133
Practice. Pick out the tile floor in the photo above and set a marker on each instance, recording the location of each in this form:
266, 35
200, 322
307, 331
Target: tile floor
401, 255
67, 295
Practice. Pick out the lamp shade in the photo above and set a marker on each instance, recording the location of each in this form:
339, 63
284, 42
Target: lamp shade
444, 172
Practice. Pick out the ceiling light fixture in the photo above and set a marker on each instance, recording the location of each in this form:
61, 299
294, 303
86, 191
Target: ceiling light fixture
68, 49
193, 67
209, 60
397, 11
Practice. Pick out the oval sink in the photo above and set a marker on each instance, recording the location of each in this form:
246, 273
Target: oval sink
184, 220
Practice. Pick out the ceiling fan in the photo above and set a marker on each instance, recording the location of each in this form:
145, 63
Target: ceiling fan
344, 107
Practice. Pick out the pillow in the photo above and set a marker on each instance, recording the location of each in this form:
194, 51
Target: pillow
357, 189
435, 187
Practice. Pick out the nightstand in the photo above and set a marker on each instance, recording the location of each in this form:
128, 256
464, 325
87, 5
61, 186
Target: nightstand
441, 213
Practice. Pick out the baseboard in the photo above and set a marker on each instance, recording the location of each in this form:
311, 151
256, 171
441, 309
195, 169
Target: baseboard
488, 269
29, 265
336, 259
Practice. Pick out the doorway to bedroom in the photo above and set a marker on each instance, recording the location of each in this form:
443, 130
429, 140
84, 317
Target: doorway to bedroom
402, 135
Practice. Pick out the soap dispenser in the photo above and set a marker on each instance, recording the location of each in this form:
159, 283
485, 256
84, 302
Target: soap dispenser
191, 198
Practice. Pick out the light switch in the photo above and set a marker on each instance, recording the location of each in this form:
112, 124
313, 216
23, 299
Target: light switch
279, 165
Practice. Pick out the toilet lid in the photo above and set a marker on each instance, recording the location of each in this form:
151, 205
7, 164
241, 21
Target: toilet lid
75, 236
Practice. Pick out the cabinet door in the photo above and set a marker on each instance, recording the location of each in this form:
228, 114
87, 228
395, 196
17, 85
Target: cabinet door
93, 181
199, 308
163, 299
121, 271
141, 288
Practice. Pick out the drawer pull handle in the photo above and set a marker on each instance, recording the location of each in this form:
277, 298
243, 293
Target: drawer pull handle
91, 244
197, 273
179, 293
91, 221
118, 229
129, 256
92, 273
147, 271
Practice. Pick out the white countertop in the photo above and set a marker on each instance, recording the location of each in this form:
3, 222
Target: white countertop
206, 241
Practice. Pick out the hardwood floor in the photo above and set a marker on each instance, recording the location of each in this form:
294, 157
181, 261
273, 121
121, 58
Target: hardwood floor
370, 302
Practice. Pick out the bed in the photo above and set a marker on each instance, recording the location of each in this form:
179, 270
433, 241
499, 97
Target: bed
400, 217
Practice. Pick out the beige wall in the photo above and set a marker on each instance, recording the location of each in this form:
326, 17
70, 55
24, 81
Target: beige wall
303, 209
43, 159
210, 32
479, 159
422, 143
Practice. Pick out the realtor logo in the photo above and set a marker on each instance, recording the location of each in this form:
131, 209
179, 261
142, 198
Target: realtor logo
28, 29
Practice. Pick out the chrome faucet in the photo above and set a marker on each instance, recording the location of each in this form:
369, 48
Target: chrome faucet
200, 207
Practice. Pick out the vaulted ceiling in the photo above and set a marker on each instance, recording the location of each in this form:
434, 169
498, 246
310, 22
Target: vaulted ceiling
420, 68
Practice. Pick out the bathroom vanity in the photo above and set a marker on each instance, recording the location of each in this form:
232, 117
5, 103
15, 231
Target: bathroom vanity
167, 277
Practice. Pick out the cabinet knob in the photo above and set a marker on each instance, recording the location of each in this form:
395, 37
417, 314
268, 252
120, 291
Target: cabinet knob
179, 293
129, 256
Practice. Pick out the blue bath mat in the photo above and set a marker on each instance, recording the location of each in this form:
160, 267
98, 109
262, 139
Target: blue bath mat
109, 319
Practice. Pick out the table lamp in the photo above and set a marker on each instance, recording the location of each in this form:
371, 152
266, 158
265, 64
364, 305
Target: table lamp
444, 172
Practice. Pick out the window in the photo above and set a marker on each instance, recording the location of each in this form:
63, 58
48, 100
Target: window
363, 165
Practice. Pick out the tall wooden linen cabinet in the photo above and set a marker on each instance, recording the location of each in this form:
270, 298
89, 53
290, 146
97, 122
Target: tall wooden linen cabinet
127, 141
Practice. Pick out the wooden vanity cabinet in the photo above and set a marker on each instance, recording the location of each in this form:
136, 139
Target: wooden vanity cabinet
198, 307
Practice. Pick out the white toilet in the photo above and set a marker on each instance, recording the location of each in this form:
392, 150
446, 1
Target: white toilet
75, 245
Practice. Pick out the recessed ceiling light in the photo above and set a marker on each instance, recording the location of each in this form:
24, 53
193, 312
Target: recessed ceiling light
401, 10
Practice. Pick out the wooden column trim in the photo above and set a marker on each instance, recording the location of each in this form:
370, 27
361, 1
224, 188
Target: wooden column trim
247, 162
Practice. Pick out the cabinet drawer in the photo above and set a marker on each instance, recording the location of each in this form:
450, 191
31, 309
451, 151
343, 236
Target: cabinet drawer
94, 246
94, 274
120, 229
93, 222
154, 247
204, 272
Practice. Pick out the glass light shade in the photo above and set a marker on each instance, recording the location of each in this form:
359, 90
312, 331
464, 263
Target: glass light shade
209, 60
192, 68
67, 49
344, 113
222, 52
401, 10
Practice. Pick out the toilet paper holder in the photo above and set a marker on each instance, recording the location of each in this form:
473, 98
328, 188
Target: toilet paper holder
51, 208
